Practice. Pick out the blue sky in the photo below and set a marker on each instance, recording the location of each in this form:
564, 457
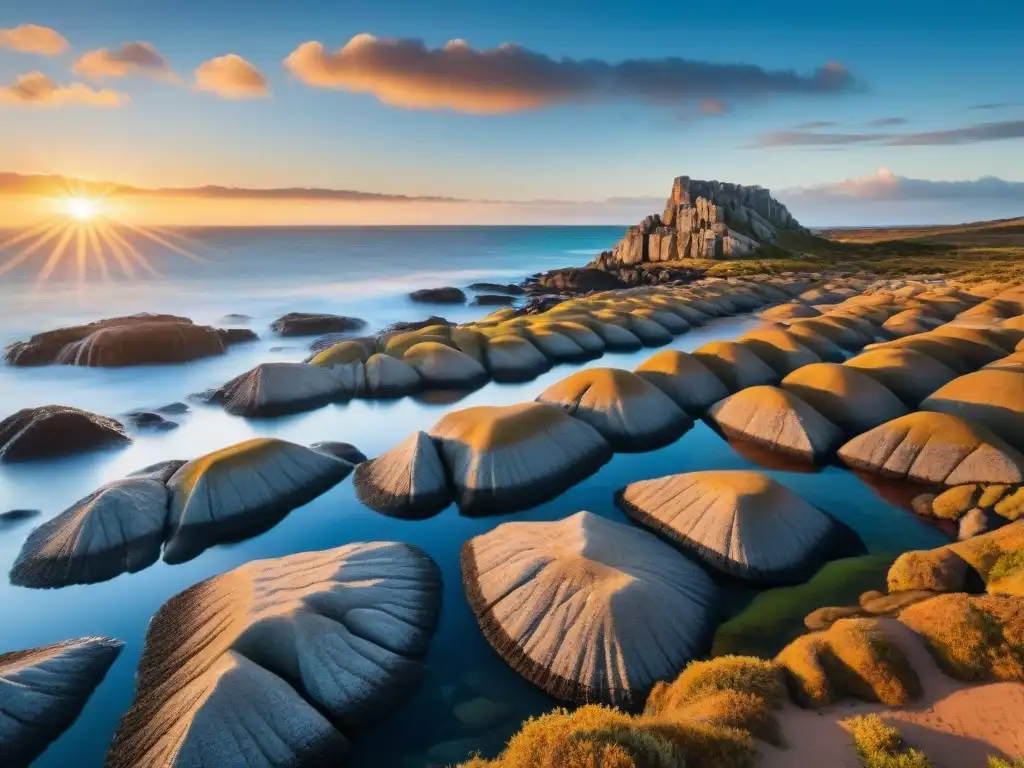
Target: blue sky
926, 65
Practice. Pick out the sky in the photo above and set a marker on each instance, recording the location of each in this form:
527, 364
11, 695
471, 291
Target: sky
539, 111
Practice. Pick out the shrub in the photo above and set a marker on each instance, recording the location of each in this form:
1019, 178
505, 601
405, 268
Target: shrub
880, 745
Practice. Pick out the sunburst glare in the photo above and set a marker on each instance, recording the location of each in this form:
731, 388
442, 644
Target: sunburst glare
86, 238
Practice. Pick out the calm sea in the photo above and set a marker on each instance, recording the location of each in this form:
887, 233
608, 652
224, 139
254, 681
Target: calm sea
365, 272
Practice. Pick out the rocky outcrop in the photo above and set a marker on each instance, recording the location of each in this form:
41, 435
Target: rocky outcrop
704, 220
56, 430
447, 295
315, 324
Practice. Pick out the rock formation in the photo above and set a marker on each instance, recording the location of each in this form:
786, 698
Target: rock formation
704, 220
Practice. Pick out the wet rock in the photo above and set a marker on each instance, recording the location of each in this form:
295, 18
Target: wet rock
236, 335
574, 280
235, 319
344, 451
415, 325
162, 471
43, 690
493, 300
143, 344
315, 324
50, 431
447, 295
277, 389
17, 515
172, 409
510, 289
407, 482
150, 420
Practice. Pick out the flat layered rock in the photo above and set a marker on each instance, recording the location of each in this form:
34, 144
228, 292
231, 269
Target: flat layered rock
687, 381
741, 523
514, 358
242, 490
409, 481
777, 420
780, 349
992, 397
440, 366
507, 458
278, 389
589, 610
50, 431
735, 365
387, 376
932, 447
849, 398
629, 412
117, 529
908, 374
43, 690
277, 662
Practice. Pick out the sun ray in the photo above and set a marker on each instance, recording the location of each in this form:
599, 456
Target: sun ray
28, 234
97, 253
103, 233
31, 248
130, 250
161, 241
55, 256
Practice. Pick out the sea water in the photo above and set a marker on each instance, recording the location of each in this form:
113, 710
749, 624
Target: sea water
469, 699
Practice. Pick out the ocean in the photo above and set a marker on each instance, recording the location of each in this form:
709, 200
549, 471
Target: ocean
365, 272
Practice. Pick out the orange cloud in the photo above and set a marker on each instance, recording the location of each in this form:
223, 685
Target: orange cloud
128, 59
231, 77
31, 38
714, 107
510, 78
37, 90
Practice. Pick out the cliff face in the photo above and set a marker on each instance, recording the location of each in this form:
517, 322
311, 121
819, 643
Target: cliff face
704, 220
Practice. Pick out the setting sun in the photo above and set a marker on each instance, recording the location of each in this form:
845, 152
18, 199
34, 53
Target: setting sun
82, 208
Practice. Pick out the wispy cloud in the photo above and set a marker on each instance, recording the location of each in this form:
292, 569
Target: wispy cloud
37, 90
713, 107
886, 185
136, 58
970, 134
510, 78
231, 77
814, 125
884, 122
996, 105
31, 38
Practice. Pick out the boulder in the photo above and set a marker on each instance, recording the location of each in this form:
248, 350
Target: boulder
12, 516
962, 355
513, 358
934, 448
493, 300
143, 344
741, 523
50, 431
827, 350
507, 288
236, 336
616, 338
912, 321
777, 420
779, 349
315, 324
442, 367
589, 610
388, 377
834, 331
161, 471
277, 389
43, 690
558, 347
650, 333
629, 412
574, 280
341, 353
242, 490
735, 365
993, 398
684, 378
117, 529
408, 482
791, 311
149, 420
908, 374
582, 336
506, 458
344, 451
850, 399
261, 666
448, 295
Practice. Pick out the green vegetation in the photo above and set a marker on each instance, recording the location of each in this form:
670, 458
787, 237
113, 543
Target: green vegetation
881, 746
776, 617
998, 762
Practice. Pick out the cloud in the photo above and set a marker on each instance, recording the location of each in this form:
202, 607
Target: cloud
795, 138
884, 122
31, 38
886, 185
510, 78
814, 125
970, 134
713, 107
37, 90
996, 105
231, 77
136, 58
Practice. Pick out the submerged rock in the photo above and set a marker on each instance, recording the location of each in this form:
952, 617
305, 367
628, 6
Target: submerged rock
242, 490
409, 481
117, 529
739, 522
262, 666
629, 412
448, 295
507, 458
934, 448
17, 515
684, 378
150, 420
315, 324
277, 389
589, 610
43, 690
777, 420
50, 431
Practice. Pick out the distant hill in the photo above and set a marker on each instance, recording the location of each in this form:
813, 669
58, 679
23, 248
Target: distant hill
1000, 232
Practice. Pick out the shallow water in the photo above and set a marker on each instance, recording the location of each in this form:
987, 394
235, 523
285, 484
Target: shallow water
461, 666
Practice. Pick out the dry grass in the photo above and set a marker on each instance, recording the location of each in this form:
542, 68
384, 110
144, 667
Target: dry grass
973, 637
998, 762
853, 657
881, 746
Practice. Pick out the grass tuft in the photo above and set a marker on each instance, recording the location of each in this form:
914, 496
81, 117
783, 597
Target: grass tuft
881, 746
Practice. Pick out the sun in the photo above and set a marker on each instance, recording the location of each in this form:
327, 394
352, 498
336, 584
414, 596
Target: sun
81, 208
